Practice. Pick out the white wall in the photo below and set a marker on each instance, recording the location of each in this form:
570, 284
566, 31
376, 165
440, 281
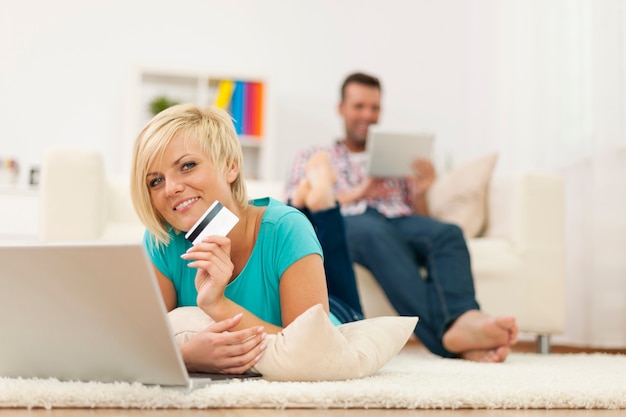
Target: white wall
540, 81
68, 65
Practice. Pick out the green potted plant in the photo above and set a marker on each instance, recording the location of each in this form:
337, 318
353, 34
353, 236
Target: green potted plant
160, 103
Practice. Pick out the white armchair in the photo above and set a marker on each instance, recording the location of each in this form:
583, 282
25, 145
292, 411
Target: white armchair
80, 203
518, 262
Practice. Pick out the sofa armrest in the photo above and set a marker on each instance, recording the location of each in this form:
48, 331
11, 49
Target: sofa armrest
119, 204
522, 252
527, 210
265, 188
72, 197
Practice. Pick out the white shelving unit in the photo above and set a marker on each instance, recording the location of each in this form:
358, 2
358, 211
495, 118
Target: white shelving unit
20, 213
201, 88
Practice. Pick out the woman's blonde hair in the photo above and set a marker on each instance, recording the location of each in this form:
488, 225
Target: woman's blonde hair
212, 127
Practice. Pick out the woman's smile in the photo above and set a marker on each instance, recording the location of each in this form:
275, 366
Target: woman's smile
185, 204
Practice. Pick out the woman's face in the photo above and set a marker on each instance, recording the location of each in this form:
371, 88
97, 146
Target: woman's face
185, 182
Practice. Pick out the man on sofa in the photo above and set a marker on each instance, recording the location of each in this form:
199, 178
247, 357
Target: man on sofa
388, 231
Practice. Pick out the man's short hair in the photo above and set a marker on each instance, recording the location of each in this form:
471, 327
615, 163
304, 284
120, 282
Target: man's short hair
359, 78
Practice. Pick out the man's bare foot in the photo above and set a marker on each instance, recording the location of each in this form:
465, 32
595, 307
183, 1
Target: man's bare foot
321, 178
300, 193
498, 354
477, 331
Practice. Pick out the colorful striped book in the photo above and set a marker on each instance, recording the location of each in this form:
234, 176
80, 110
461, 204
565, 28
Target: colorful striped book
244, 101
248, 110
257, 106
224, 93
237, 106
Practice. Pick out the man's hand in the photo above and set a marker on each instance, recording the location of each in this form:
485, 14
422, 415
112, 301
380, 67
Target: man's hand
370, 188
424, 176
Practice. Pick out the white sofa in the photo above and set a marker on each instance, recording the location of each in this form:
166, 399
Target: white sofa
518, 261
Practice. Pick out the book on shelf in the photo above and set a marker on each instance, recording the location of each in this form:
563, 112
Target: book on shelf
237, 106
253, 109
244, 101
224, 93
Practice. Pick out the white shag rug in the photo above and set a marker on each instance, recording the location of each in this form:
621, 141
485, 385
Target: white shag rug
408, 381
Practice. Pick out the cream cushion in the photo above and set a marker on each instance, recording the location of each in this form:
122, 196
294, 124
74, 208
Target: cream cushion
311, 348
460, 196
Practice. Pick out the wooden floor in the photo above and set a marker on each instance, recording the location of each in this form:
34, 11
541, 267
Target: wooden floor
411, 346
530, 347
307, 413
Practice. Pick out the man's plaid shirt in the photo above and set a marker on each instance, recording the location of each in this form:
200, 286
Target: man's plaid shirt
351, 172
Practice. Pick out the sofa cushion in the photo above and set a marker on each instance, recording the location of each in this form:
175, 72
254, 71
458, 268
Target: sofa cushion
460, 196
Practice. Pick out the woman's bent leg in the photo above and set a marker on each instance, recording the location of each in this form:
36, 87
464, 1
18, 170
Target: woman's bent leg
340, 279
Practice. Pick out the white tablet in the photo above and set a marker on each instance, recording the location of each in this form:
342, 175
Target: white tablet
391, 154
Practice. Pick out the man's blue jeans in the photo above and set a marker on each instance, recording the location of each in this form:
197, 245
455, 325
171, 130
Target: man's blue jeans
395, 249
343, 293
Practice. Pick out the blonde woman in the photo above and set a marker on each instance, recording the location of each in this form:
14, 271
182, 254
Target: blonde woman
256, 280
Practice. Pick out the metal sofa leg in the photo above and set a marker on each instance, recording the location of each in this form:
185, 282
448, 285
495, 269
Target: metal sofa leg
543, 343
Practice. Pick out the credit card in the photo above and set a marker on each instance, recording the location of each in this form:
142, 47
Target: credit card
217, 220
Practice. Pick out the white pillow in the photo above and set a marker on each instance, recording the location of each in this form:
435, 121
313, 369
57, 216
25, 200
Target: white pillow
311, 348
187, 321
460, 196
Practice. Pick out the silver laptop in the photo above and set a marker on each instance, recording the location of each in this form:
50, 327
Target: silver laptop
391, 154
88, 312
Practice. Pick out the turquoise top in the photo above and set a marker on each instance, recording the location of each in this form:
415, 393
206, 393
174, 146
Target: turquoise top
285, 236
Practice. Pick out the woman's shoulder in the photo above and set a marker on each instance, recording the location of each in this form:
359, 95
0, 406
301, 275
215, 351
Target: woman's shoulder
273, 205
277, 212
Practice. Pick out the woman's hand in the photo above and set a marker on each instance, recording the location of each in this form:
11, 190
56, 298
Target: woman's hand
215, 269
217, 349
